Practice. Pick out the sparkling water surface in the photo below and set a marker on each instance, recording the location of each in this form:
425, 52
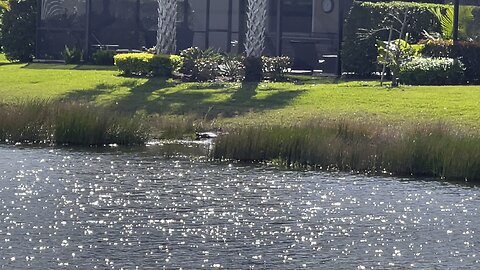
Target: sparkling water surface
141, 209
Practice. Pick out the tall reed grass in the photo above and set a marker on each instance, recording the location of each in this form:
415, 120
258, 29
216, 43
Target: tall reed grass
177, 126
39, 121
407, 150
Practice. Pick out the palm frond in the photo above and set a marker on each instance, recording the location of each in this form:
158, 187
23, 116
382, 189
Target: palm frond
4, 5
445, 18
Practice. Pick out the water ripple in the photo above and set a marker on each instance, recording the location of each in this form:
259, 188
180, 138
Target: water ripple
72, 209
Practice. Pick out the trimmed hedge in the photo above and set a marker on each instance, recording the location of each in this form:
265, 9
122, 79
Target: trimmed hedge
467, 52
133, 63
359, 56
432, 71
144, 64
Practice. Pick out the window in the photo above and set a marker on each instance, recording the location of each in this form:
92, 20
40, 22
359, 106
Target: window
63, 14
297, 16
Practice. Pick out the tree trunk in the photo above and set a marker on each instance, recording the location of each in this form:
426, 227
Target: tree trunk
396, 67
256, 27
167, 30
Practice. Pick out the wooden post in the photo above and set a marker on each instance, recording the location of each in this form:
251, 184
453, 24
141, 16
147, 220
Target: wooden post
38, 22
88, 9
456, 7
341, 7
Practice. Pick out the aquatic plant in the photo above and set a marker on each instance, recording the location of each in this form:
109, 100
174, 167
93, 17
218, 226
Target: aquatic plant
174, 127
407, 150
26, 121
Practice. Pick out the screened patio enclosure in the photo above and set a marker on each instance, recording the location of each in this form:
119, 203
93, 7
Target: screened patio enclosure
131, 24
307, 30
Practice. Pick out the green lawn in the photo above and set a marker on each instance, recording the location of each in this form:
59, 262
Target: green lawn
236, 103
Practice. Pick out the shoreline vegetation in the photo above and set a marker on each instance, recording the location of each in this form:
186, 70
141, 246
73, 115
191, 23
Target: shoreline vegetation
60, 123
413, 150
307, 122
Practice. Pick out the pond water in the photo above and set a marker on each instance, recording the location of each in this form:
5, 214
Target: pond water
144, 209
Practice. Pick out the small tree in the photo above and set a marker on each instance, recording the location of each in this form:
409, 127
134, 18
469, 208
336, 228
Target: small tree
18, 30
167, 30
392, 52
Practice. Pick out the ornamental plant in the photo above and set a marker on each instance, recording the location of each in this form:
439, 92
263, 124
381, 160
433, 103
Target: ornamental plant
147, 64
432, 71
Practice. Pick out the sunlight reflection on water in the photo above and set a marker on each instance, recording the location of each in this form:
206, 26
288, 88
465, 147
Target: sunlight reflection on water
63, 208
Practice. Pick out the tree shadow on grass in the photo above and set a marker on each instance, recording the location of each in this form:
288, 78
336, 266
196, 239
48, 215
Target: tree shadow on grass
136, 98
244, 100
205, 100
61, 66
89, 95
206, 103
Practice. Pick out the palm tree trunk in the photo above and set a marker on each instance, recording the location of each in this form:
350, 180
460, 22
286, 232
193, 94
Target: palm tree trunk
256, 27
167, 30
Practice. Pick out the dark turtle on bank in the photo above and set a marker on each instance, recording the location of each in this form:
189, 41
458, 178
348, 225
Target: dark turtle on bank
205, 135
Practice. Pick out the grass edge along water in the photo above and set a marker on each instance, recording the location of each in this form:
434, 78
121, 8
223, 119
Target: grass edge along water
69, 123
418, 150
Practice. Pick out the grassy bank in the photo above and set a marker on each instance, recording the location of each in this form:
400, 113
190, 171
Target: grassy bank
236, 104
406, 150
388, 130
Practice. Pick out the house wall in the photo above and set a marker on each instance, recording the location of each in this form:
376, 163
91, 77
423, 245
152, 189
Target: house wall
218, 24
325, 22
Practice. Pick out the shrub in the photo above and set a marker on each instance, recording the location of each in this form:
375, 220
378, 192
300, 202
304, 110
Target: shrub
200, 65
232, 67
437, 48
467, 52
206, 69
275, 68
18, 30
72, 55
146, 64
161, 65
133, 63
432, 71
104, 57
359, 55
177, 62
189, 56
253, 69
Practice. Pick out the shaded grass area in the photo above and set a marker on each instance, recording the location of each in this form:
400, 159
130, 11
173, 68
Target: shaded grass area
406, 150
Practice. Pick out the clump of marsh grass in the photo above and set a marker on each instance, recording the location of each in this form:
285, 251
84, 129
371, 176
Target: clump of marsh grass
173, 127
79, 124
407, 150
69, 123
26, 121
